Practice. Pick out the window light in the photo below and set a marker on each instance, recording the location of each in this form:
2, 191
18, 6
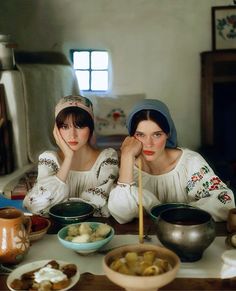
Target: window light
91, 68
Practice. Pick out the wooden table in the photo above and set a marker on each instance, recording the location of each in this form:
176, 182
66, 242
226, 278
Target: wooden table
101, 283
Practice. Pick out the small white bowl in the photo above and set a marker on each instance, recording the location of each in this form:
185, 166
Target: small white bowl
84, 247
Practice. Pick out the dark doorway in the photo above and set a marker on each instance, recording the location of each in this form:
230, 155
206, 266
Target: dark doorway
218, 113
224, 116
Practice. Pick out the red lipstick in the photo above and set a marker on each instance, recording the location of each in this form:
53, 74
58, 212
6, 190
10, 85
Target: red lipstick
148, 153
73, 143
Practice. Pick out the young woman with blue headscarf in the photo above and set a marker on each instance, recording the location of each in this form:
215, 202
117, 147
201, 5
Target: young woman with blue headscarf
169, 173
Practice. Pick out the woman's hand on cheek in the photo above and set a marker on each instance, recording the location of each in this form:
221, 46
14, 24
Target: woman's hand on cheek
67, 151
131, 146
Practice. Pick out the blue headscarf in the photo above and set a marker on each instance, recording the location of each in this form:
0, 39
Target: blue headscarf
153, 104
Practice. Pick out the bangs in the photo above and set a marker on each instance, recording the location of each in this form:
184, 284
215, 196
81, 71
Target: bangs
80, 118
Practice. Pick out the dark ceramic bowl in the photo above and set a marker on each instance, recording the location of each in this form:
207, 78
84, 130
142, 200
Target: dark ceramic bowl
186, 231
158, 209
71, 212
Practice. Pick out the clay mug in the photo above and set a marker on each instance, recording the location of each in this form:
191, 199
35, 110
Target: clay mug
14, 235
231, 220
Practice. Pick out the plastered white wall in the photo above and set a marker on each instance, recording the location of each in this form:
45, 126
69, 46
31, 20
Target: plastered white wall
155, 45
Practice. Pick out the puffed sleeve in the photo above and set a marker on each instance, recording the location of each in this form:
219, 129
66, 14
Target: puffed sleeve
106, 173
48, 189
123, 202
207, 191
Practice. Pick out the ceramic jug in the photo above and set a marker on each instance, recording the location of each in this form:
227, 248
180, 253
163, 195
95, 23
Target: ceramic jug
14, 235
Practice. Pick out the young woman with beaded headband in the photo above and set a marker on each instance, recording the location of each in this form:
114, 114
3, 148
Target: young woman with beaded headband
169, 173
76, 169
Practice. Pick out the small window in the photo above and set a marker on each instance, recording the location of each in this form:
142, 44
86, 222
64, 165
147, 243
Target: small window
91, 68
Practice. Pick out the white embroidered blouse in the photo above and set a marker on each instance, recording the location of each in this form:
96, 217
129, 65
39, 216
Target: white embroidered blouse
192, 181
92, 186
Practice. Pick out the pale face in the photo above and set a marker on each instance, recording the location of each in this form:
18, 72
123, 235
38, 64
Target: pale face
153, 139
75, 137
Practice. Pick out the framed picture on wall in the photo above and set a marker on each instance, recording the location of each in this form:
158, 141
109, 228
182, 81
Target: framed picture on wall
223, 27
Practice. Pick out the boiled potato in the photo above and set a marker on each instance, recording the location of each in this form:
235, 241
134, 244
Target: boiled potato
73, 230
102, 230
149, 256
151, 271
116, 264
140, 264
81, 238
85, 228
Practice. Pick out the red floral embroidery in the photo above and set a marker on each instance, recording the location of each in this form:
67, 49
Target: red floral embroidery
116, 115
224, 197
195, 178
215, 182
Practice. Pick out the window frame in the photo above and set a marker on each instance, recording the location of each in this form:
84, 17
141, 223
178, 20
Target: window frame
90, 70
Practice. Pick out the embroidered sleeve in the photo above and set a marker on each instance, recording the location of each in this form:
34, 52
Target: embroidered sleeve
121, 184
204, 184
48, 189
209, 192
49, 163
106, 175
124, 200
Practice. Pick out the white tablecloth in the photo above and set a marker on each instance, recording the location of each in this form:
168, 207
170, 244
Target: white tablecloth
209, 266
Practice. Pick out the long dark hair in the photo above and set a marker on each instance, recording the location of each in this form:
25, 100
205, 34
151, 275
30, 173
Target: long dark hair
152, 115
80, 118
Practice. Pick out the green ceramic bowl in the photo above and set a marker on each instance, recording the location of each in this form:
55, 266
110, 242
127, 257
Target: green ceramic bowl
71, 212
84, 247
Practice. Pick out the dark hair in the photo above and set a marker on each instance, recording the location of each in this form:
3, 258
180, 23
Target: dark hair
80, 118
153, 115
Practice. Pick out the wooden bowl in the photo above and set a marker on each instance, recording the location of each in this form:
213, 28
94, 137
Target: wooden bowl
39, 227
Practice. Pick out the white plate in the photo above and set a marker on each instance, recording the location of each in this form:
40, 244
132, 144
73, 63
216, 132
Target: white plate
16, 274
